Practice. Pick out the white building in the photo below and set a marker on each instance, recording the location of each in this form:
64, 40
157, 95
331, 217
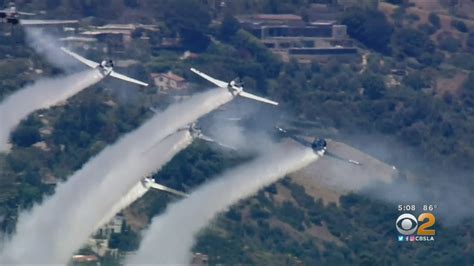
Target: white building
114, 226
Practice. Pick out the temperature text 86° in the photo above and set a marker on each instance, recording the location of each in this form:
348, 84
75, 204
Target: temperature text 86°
430, 207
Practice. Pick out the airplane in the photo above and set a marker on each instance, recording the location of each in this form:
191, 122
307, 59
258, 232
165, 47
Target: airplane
319, 146
235, 87
106, 68
12, 15
196, 133
149, 182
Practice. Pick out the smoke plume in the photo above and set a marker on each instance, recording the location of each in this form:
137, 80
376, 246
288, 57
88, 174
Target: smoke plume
65, 220
92, 191
150, 164
171, 236
41, 94
48, 46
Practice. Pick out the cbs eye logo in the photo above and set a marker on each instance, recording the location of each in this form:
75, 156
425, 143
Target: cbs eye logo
408, 224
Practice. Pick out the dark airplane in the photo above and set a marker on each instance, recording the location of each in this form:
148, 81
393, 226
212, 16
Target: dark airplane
319, 146
12, 16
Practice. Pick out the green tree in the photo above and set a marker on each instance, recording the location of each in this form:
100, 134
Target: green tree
459, 25
470, 40
131, 3
415, 80
434, 20
127, 240
230, 26
411, 42
191, 19
396, 2
374, 86
370, 27
468, 85
25, 136
449, 44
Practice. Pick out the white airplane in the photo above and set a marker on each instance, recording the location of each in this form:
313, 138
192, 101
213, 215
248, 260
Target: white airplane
148, 183
106, 68
196, 133
12, 15
235, 87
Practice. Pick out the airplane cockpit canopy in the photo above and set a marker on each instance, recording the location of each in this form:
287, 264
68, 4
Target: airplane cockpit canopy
319, 144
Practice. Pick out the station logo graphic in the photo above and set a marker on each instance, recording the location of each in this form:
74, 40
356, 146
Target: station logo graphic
416, 229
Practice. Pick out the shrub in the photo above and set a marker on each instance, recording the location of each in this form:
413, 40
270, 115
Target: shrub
459, 25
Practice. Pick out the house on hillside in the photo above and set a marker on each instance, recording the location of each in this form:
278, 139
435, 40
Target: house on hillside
114, 226
200, 259
289, 36
168, 81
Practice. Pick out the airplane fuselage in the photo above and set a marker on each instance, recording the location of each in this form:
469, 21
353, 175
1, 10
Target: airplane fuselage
11, 17
146, 182
106, 67
12, 20
319, 146
194, 131
234, 89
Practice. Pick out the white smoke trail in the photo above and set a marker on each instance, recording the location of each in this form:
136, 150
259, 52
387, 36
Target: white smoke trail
134, 194
150, 164
41, 94
170, 237
49, 47
51, 232
87, 195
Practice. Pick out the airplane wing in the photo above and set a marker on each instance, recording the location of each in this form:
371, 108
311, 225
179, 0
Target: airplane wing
256, 98
154, 110
206, 138
209, 139
332, 155
39, 22
225, 146
83, 60
167, 189
125, 78
300, 140
218, 83
26, 14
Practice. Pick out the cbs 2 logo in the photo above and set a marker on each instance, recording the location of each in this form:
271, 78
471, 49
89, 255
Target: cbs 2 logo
407, 224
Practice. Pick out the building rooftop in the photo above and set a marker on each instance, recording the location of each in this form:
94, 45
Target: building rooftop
170, 75
84, 258
117, 27
277, 17
270, 19
78, 39
105, 31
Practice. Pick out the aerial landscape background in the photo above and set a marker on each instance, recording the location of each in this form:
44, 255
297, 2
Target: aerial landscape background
389, 84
